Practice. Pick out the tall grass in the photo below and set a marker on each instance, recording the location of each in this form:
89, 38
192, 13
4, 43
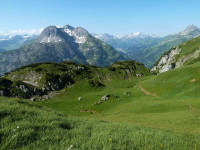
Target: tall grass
24, 125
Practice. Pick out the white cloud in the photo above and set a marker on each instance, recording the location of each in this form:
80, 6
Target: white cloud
22, 31
29, 32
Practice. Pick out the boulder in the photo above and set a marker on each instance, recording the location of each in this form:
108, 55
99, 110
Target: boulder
105, 97
126, 93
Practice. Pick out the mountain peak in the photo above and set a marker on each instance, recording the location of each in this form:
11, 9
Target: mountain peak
104, 37
192, 26
51, 34
81, 31
137, 35
69, 27
189, 29
50, 31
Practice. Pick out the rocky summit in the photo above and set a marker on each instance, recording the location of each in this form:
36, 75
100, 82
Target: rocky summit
61, 44
189, 29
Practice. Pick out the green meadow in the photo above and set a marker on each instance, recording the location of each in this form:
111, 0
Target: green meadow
173, 102
25, 125
153, 112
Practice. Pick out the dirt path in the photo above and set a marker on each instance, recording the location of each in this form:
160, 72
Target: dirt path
146, 92
193, 80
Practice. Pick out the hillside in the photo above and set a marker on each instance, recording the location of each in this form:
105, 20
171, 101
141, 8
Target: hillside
114, 93
58, 45
169, 100
122, 102
149, 109
184, 54
39, 80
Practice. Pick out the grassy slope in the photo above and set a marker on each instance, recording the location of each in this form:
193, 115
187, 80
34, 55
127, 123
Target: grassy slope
25, 125
176, 106
169, 120
189, 48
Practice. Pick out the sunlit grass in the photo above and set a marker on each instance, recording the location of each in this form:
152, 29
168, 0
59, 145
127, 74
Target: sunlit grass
25, 125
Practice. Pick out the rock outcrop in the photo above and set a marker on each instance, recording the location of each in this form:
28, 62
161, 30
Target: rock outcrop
42, 79
168, 61
177, 57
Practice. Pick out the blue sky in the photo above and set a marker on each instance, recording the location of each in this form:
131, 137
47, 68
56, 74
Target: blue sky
118, 17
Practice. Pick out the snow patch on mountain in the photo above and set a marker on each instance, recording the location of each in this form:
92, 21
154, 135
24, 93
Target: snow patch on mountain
68, 31
51, 39
79, 33
138, 35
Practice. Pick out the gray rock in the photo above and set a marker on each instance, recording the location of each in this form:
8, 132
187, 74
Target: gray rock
33, 99
126, 93
105, 97
168, 61
1, 93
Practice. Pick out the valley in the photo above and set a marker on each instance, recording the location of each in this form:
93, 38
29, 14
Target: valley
149, 102
148, 48
150, 112
99, 75
126, 102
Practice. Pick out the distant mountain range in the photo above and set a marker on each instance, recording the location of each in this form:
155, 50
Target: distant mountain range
122, 43
85, 48
14, 42
2, 50
61, 44
148, 48
137, 35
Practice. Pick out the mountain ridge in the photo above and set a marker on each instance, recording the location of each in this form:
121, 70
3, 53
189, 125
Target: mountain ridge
15, 41
57, 45
149, 49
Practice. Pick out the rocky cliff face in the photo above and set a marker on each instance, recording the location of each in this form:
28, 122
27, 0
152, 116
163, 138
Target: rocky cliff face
167, 61
52, 34
20, 89
79, 34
